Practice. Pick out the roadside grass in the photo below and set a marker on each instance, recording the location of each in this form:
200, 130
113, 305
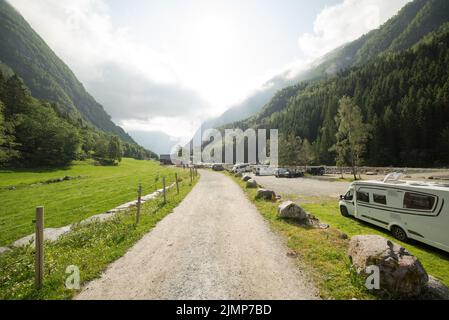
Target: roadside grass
90, 247
436, 262
94, 190
322, 252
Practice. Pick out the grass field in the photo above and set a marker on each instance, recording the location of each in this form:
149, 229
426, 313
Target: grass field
90, 247
324, 252
94, 190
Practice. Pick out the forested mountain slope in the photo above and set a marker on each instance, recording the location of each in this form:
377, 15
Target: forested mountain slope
404, 96
410, 25
47, 76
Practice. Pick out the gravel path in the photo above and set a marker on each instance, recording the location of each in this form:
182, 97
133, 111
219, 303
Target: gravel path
215, 245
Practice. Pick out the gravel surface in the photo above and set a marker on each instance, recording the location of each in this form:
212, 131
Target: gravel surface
215, 245
305, 187
328, 186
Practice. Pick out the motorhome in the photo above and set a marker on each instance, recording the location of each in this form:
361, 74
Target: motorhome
409, 210
264, 171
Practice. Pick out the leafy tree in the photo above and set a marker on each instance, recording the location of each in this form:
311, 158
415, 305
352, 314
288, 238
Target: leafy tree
352, 134
44, 139
6, 139
115, 151
306, 153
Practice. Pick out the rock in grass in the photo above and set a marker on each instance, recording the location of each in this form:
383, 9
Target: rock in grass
246, 178
435, 290
401, 273
264, 194
4, 250
290, 210
251, 184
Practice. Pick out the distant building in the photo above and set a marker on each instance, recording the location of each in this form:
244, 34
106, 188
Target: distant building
165, 160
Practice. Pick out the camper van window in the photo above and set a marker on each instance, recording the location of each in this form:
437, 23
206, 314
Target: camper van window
363, 196
349, 196
381, 199
418, 201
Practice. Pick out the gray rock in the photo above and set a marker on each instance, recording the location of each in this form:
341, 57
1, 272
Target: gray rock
264, 194
50, 234
290, 210
435, 290
401, 273
238, 175
246, 178
251, 184
4, 250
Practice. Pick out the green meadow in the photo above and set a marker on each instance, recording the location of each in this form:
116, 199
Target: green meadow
91, 190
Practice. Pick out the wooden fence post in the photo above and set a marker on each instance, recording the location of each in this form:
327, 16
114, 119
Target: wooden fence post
177, 183
139, 202
39, 243
165, 193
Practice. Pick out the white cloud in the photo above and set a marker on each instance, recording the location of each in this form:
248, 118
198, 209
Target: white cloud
345, 22
137, 85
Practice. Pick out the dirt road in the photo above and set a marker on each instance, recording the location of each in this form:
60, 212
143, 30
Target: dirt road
215, 245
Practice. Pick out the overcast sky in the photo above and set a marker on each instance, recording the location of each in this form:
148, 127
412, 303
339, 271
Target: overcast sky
168, 65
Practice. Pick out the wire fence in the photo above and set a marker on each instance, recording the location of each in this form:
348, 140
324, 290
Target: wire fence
167, 184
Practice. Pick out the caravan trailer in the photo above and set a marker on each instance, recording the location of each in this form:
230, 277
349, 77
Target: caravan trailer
409, 210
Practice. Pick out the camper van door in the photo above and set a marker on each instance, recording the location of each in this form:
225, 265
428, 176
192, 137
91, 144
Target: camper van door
349, 201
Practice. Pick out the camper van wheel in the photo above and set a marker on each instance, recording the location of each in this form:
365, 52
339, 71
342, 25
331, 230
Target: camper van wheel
399, 233
344, 211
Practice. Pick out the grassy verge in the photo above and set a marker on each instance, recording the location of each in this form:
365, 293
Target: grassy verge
93, 190
436, 262
90, 247
322, 252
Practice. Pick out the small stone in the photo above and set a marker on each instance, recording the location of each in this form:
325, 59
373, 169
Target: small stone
251, 184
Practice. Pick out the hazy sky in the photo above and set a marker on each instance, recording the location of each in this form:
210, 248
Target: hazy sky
168, 65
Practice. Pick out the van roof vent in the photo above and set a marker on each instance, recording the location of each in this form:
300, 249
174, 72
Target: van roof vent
393, 177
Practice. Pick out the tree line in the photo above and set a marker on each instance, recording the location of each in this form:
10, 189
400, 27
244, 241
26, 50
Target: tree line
37, 133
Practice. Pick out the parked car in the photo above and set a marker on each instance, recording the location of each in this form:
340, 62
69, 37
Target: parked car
241, 168
409, 210
316, 171
217, 167
287, 173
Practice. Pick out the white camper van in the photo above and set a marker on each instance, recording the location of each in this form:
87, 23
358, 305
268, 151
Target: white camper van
410, 210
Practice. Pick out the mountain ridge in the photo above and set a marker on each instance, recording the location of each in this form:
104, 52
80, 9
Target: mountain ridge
46, 75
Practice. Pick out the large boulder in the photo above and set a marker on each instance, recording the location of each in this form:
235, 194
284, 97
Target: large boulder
246, 178
401, 273
264, 194
290, 210
251, 184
